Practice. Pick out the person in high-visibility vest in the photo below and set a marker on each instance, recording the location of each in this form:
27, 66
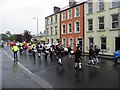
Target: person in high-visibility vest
15, 50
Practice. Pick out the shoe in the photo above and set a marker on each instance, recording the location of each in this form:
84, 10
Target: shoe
60, 63
80, 68
89, 63
75, 67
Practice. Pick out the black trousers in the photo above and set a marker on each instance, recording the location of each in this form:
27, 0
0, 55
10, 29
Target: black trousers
15, 56
34, 55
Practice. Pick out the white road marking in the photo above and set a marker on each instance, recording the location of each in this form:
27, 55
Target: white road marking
43, 83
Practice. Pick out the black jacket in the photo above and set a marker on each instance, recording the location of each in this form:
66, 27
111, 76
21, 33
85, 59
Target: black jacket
78, 53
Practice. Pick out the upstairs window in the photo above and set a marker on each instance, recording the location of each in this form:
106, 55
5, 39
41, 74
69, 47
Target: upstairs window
56, 32
101, 23
101, 5
55, 18
63, 29
64, 15
77, 11
90, 24
51, 31
77, 27
90, 8
115, 21
69, 14
69, 28
47, 21
115, 3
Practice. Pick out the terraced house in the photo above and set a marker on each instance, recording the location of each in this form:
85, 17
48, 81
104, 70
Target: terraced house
102, 25
72, 24
52, 27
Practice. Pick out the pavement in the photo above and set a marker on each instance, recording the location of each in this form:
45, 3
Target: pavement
110, 57
47, 73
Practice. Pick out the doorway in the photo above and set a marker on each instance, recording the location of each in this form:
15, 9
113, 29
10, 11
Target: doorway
117, 43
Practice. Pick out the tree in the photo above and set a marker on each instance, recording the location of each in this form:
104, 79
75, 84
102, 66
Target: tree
8, 33
4, 37
19, 37
27, 35
12, 38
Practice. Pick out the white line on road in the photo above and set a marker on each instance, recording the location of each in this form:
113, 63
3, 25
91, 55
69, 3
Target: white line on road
43, 83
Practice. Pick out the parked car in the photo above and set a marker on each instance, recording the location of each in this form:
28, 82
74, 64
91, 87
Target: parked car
117, 56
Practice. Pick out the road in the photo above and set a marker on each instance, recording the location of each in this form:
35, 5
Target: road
48, 74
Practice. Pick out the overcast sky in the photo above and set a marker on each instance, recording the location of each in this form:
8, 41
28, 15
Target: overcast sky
17, 15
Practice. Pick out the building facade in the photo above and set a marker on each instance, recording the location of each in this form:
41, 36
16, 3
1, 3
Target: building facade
102, 25
72, 25
52, 27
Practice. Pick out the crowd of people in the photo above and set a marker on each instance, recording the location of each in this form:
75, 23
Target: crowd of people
58, 51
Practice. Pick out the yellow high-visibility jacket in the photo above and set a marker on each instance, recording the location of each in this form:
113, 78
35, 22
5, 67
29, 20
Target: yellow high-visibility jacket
15, 48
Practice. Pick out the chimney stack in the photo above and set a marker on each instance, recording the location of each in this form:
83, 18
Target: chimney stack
72, 2
56, 9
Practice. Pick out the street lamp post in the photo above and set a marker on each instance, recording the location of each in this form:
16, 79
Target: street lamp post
37, 24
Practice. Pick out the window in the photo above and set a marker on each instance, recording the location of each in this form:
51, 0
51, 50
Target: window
115, 21
51, 31
69, 28
64, 29
70, 40
103, 43
56, 33
51, 20
55, 18
64, 15
47, 32
101, 5
115, 3
77, 27
77, 11
64, 42
47, 21
90, 8
91, 41
69, 14
101, 23
90, 24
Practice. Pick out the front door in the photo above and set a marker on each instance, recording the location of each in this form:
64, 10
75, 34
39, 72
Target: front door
117, 43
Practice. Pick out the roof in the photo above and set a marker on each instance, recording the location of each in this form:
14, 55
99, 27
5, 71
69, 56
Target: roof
77, 3
68, 7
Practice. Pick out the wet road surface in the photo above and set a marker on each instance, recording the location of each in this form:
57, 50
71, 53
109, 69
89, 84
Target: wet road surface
104, 75
13, 77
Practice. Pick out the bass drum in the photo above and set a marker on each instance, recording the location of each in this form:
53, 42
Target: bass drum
65, 49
